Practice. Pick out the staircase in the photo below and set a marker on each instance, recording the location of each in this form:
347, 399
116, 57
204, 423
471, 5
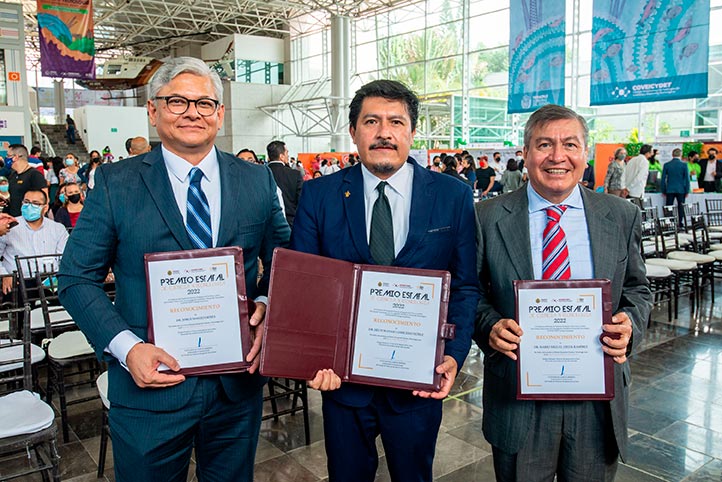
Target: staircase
56, 134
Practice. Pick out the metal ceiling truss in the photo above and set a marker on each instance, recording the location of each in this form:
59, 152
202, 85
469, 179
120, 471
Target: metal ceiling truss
154, 27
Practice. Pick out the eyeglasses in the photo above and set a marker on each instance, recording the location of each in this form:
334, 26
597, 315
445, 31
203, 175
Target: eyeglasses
178, 105
27, 202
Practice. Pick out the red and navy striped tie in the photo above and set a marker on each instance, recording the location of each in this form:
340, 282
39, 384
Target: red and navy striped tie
555, 255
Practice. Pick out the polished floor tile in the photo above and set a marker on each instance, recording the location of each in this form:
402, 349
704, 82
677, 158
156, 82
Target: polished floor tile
662, 459
712, 472
693, 437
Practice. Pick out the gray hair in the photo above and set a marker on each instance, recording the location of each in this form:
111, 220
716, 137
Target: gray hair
677, 152
618, 152
184, 65
550, 113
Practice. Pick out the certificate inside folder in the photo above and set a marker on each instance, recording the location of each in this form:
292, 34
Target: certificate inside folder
560, 355
377, 325
198, 310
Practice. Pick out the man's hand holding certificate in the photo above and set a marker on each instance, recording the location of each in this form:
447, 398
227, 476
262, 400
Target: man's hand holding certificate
561, 353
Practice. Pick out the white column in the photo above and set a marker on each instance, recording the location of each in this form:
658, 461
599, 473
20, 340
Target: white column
340, 75
59, 101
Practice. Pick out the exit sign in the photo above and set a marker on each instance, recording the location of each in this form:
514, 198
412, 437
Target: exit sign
115, 129
683, 133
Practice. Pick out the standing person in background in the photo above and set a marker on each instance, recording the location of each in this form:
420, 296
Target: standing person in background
636, 173
710, 171
288, 180
614, 180
51, 178
512, 179
70, 129
694, 169
588, 180
675, 183
35, 161
139, 145
485, 177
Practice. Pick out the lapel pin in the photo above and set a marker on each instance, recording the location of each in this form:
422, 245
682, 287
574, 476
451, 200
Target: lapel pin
347, 193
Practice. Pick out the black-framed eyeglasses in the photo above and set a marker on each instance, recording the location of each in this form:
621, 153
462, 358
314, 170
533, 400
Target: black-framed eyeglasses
178, 105
34, 203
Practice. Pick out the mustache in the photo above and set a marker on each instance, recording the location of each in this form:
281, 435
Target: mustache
384, 144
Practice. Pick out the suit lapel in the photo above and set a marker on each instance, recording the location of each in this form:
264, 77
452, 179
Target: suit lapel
230, 179
602, 231
155, 177
422, 202
514, 230
352, 195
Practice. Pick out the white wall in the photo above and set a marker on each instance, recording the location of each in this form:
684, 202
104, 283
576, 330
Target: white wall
101, 126
247, 47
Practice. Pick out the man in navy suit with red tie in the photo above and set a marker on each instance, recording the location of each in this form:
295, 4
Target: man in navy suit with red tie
395, 213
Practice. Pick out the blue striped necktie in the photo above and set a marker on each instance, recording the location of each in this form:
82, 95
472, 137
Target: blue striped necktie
198, 217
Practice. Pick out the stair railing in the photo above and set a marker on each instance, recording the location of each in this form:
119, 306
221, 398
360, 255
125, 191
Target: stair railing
45, 145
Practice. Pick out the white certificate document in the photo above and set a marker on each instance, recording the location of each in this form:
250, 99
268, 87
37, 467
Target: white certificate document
194, 306
560, 352
397, 328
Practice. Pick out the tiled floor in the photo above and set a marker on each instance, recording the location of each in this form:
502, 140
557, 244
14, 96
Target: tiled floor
675, 418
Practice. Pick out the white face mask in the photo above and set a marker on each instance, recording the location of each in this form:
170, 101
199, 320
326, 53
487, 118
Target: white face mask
519, 158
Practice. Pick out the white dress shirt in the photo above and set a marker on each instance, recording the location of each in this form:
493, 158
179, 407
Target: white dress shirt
710, 171
574, 225
635, 175
22, 240
398, 191
179, 175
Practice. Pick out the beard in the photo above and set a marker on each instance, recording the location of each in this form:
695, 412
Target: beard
382, 168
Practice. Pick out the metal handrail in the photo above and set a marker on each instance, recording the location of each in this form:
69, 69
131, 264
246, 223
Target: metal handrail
45, 145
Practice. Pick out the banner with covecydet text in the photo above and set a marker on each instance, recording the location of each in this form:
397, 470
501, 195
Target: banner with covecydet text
649, 51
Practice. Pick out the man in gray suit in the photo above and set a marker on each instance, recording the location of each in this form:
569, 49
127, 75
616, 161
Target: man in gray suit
184, 194
675, 182
577, 441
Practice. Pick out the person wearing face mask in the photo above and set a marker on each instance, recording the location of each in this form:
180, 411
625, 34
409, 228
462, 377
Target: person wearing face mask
68, 214
34, 235
58, 201
87, 169
70, 172
22, 178
4, 192
710, 171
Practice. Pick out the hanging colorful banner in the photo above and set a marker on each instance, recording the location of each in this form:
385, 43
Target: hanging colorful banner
67, 46
536, 54
649, 50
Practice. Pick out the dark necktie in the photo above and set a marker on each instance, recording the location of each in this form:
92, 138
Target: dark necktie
198, 216
381, 239
555, 255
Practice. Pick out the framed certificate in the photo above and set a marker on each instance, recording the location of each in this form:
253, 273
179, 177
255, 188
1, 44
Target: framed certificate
377, 325
560, 355
197, 309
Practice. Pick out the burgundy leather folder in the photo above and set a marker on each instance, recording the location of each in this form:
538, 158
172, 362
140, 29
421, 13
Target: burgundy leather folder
311, 319
606, 288
245, 306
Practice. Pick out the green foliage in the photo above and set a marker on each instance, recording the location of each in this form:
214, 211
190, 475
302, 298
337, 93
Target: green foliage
634, 136
691, 146
633, 148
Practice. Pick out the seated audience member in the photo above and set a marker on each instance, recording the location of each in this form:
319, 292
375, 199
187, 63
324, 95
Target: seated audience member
469, 170
317, 174
34, 235
4, 192
68, 214
512, 179
58, 202
70, 173
139, 145
485, 176
450, 165
588, 177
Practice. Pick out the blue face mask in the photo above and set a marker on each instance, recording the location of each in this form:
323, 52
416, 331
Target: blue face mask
62, 198
31, 212
4, 187
69, 162
8, 161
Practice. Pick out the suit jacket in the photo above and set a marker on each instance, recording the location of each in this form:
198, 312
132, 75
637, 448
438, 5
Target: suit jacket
132, 211
505, 255
703, 170
330, 222
290, 181
675, 177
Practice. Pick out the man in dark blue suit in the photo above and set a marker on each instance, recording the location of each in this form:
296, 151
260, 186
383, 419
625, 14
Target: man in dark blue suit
675, 182
432, 218
150, 203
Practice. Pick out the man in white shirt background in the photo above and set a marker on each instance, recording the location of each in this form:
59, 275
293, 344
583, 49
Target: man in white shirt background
636, 172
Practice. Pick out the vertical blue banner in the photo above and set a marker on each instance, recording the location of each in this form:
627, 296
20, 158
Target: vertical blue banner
649, 50
536, 54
